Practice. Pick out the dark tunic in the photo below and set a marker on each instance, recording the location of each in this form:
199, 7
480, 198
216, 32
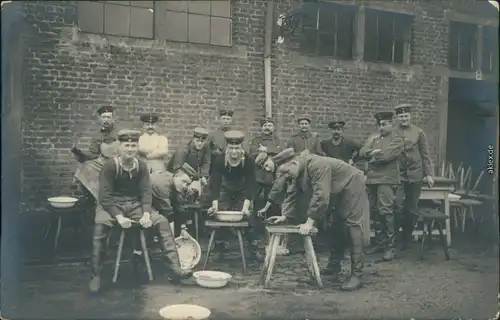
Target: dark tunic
273, 145
105, 136
232, 185
198, 159
343, 151
383, 168
118, 187
216, 140
305, 141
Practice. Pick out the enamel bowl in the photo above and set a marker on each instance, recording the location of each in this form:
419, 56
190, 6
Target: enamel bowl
229, 216
62, 202
184, 312
211, 279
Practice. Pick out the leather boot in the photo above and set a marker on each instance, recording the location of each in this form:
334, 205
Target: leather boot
253, 252
390, 236
356, 244
408, 222
101, 232
170, 255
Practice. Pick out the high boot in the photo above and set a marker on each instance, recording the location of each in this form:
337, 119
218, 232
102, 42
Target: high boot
407, 234
390, 238
339, 243
101, 232
170, 255
253, 251
356, 244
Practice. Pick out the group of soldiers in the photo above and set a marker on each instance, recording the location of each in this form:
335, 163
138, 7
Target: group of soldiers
304, 182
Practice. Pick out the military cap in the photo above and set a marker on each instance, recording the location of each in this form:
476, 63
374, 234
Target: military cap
226, 113
151, 118
187, 169
200, 132
284, 156
127, 135
104, 109
336, 123
384, 115
403, 108
234, 137
304, 118
266, 120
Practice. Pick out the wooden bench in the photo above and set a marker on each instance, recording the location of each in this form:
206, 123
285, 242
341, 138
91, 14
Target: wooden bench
277, 233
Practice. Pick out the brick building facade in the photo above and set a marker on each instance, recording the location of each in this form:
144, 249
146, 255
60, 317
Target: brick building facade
68, 73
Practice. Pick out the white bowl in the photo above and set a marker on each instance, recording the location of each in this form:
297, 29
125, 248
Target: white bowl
229, 216
62, 202
212, 279
184, 312
189, 251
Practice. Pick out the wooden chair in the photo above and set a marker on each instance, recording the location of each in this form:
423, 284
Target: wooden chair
277, 233
433, 218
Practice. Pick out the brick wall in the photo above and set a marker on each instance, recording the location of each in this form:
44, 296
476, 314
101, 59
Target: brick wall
68, 74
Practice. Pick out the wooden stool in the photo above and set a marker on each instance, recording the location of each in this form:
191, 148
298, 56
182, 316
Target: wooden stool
195, 210
144, 249
277, 233
431, 218
238, 226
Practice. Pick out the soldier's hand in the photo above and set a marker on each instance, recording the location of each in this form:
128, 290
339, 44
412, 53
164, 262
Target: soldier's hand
124, 222
145, 221
351, 162
262, 212
211, 211
276, 219
262, 148
204, 181
375, 151
430, 181
184, 234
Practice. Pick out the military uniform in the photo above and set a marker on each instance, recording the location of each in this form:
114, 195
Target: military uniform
264, 177
301, 141
414, 165
198, 159
382, 182
153, 148
128, 193
216, 140
320, 180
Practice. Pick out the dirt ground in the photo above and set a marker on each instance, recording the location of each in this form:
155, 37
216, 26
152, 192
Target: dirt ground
464, 287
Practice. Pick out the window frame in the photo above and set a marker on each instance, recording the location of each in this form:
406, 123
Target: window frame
473, 47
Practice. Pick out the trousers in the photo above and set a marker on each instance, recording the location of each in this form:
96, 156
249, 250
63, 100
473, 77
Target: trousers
407, 197
382, 204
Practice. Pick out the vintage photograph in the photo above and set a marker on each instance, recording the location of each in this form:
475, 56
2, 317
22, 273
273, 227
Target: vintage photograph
250, 159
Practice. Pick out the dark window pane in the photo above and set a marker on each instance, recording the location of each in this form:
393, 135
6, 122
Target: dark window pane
198, 28
466, 57
310, 15
385, 50
175, 27
344, 45
309, 40
116, 20
141, 23
144, 4
221, 8
490, 49
199, 6
220, 31
453, 57
370, 24
370, 50
91, 16
399, 51
326, 17
326, 44
402, 27
177, 5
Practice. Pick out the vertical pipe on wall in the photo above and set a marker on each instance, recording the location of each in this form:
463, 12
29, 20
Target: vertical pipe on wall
267, 56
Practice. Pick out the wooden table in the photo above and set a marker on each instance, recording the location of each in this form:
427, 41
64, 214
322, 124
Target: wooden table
440, 193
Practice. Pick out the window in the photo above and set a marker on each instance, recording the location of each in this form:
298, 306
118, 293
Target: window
387, 37
205, 22
118, 18
463, 46
490, 50
327, 29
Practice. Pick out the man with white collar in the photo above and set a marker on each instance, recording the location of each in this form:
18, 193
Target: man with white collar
125, 197
305, 139
232, 186
153, 147
321, 180
415, 165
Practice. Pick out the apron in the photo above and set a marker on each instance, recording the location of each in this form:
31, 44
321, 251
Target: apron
148, 144
88, 172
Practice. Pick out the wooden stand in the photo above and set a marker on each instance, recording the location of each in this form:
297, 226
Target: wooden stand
238, 226
277, 233
144, 250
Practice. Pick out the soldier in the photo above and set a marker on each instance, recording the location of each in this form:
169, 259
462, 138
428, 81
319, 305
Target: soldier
153, 147
304, 139
383, 150
339, 146
262, 148
216, 141
319, 179
103, 147
232, 185
414, 165
125, 196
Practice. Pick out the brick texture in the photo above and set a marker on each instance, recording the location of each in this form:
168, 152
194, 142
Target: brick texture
68, 74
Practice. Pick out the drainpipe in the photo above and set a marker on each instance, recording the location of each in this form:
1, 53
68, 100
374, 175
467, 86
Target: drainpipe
267, 56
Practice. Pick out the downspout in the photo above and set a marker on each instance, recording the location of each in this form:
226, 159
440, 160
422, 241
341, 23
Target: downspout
267, 57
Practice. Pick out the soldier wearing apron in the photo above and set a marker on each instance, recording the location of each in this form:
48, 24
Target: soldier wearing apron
383, 180
125, 196
262, 147
232, 186
319, 179
305, 139
339, 146
103, 147
216, 140
153, 147
414, 164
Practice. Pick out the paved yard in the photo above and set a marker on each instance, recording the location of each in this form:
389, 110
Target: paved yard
466, 287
